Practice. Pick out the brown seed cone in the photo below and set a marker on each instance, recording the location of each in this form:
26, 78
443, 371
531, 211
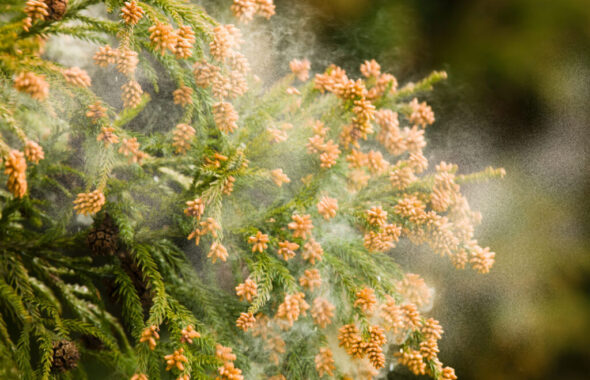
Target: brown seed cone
57, 8
103, 238
93, 343
134, 272
65, 356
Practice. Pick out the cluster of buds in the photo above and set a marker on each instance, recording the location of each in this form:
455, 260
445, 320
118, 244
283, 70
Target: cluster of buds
279, 177
327, 207
185, 40
376, 216
217, 251
300, 68
89, 203
35, 10
245, 321
131, 13
176, 360
15, 167
34, 85
33, 152
247, 290
209, 225
418, 357
311, 279
328, 151
360, 162
322, 312
188, 334
389, 132
376, 164
96, 111
107, 134
421, 114
292, 307
384, 235
229, 372
324, 362
130, 147
401, 177
277, 135
350, 339
182, 138
384, 239
228, 86
150, 335
204, 73
77, 77
131, 94
287, 249
162, 37
312, 251
370, 69
482, 259
413, 288
228, 186
183, 96
226, 38
366, 300
126, 61
224, 353
381, 81
225, 117
411, 208
301, 226
374, 347
259, 242
444, 191
245, 10
105, 56
195, 208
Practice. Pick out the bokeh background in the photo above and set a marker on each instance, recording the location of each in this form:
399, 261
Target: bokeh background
518, 96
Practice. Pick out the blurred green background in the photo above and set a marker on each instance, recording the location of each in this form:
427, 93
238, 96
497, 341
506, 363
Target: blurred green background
518, 96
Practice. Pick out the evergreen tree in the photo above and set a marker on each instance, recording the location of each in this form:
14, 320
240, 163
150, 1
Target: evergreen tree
220, 229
